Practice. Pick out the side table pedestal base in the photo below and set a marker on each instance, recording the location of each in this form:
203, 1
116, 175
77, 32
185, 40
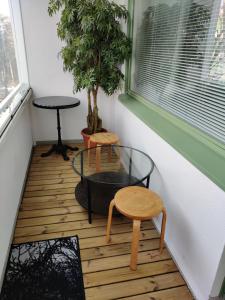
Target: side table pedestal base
59, 149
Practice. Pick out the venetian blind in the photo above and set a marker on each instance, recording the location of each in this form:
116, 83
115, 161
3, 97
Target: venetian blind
179, 59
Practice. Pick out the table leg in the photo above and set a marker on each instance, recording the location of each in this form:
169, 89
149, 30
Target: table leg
49, 152
59, 148
72, 148
89, 203
64, 153
147, 182
59, 128
130, 165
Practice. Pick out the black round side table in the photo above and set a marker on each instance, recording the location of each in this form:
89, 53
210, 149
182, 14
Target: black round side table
57, 103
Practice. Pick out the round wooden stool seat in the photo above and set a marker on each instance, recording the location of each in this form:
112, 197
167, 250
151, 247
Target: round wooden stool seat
104, 138
138, 203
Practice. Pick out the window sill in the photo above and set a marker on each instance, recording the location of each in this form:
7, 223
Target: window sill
202, 151
12, 107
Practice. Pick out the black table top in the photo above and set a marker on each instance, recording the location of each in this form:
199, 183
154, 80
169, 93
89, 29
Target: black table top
56, 102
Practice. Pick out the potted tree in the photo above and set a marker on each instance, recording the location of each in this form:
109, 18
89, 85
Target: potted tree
95, 48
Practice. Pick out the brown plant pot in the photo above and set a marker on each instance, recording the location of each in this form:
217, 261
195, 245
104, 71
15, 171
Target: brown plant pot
86, 136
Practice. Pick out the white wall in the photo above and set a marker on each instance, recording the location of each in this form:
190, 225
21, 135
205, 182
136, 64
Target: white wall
15, 150
195, 231
46, 74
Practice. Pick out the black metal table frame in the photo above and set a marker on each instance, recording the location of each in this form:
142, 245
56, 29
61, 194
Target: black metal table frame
58, 148
147, 177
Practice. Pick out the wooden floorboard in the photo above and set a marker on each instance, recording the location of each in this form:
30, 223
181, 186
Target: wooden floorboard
49, 210
139, 287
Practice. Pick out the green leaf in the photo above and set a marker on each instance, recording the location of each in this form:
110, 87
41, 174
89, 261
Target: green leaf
95, 45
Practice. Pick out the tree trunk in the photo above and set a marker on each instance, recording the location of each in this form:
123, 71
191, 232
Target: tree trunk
90, 113
97, 122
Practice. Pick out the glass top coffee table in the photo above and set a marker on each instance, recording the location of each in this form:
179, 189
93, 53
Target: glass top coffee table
106, 169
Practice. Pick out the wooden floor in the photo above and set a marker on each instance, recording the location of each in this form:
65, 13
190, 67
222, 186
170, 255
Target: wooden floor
49, 210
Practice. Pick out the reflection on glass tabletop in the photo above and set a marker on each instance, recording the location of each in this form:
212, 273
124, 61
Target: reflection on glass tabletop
113, 164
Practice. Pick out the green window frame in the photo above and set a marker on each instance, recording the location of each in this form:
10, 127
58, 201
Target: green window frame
202, 150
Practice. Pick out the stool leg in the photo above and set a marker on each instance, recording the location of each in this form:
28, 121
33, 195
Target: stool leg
118, 154
135, 244
163, 227
118, 144
89, 146
98, 156
111, 206
110, 153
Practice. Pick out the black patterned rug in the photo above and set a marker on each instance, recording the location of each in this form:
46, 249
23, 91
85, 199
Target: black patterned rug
44, 270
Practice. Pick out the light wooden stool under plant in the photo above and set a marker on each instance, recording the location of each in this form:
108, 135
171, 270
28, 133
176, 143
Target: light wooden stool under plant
102, 139
138, 204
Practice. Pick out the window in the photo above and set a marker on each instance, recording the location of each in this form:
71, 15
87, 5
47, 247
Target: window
9, 78
178, 60
13, 71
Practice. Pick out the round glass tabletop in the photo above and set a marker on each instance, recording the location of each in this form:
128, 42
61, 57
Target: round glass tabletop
113, 164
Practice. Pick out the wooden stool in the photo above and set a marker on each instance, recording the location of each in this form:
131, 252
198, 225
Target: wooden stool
102, 139
138, 204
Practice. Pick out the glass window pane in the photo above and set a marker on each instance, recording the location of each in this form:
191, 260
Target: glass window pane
9, 78
179, 59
